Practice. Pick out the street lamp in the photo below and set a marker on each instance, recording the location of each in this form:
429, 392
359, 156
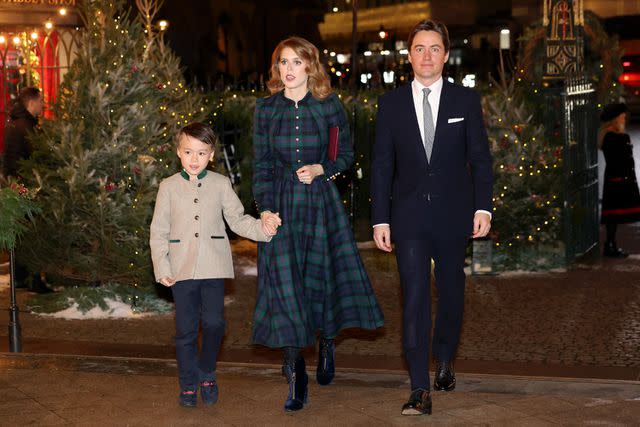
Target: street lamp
382, 33
15, 334
505, 39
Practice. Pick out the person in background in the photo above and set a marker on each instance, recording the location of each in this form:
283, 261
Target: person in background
23, 120
620, 196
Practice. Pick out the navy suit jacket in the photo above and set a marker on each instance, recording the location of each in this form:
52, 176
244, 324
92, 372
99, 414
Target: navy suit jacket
417, 197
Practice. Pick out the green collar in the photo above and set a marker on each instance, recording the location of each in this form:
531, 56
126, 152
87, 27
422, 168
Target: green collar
186, 176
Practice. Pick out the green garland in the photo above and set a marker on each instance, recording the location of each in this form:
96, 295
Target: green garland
17, 208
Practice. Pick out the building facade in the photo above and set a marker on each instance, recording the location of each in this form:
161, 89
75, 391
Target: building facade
38, 41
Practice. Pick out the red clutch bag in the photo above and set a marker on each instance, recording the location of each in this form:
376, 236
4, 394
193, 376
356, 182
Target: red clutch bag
333, 143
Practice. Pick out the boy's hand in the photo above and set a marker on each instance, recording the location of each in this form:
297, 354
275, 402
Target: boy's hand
307, 173
167, 281
270, 222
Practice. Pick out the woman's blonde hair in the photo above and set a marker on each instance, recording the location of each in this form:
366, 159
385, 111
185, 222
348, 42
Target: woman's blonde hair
318, 82
606, 127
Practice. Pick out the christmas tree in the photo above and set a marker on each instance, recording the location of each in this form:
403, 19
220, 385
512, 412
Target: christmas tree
526, 225
97, 164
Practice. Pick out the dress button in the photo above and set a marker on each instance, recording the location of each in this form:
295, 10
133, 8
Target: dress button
197, 234
199, 184
195, 200
297, 139
297, 127
297, 117
299, 161
197, 217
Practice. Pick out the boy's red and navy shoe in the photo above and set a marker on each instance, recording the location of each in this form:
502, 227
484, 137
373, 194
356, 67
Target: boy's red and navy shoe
188, 398
209, 392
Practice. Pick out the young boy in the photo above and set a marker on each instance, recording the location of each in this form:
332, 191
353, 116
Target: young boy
191, 254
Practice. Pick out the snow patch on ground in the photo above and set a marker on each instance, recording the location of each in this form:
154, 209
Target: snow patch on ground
116, 310
248, 270
246, 266
515, 273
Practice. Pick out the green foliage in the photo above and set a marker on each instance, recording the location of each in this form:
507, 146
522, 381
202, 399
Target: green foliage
17, 210
88, 297
98, 163
527, 178
602, 57
232, 120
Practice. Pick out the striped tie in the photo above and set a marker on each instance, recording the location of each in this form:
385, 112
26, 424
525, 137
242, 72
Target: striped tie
429, 131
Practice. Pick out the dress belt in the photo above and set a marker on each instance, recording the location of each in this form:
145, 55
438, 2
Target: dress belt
285, 174
291, 175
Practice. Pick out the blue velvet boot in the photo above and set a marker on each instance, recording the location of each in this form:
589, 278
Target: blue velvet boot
326, 361
297, 378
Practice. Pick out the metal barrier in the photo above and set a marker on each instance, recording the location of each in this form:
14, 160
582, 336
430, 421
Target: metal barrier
579, 133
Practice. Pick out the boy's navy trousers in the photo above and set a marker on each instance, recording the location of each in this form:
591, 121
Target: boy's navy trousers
198, 301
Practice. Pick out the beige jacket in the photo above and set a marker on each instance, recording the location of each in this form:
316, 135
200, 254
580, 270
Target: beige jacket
188, 239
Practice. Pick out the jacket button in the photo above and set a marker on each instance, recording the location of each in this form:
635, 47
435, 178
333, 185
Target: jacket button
197, 235
197, 217
195, 200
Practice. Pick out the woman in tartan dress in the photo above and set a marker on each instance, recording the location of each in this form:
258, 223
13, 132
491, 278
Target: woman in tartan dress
310, 277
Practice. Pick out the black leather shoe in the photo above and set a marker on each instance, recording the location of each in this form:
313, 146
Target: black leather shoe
445, 377
419, 403
298, 381
326, 361
611, 250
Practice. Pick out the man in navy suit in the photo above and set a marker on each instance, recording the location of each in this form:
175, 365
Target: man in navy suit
431, 190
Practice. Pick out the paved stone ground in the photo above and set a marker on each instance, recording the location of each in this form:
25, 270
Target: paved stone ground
587, 316
89, 391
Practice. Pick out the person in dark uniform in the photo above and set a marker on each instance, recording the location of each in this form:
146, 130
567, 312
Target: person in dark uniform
620, 196
310, 276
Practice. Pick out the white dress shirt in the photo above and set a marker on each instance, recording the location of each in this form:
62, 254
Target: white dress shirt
434, 102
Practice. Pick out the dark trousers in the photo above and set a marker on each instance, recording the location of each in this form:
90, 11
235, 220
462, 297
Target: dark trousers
198, 301
414, 264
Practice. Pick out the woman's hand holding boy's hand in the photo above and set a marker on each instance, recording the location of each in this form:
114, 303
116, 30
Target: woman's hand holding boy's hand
307, 173
167, 281
270, 222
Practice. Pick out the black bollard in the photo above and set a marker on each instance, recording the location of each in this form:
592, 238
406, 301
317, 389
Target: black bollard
15, 336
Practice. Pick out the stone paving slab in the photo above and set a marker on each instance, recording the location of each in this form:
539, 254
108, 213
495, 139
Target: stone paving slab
71, 390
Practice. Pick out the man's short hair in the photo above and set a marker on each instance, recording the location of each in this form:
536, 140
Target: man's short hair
28, 94
430, 25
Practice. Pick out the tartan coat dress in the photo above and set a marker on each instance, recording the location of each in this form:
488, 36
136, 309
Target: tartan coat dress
310, 276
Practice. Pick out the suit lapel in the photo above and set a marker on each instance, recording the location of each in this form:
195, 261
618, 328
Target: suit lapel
413, 126
443, 116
